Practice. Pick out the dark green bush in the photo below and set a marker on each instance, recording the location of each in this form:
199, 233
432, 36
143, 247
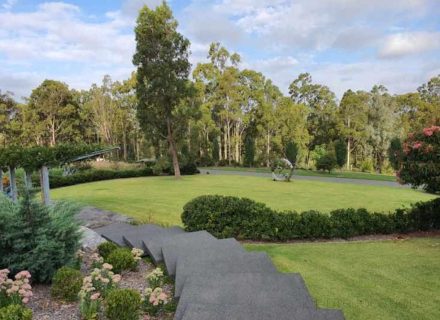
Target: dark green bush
66, 284
121, 259
123, 304
57, 181
326, 162
15, 312
37, 238
106, 248
246, 219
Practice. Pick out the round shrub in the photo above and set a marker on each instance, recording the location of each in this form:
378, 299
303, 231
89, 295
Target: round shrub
15, 312
226, 217
121, 259
123, 304
106, 248
326, 163
66, 284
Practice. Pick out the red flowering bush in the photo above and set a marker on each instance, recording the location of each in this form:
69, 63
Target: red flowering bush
420, 160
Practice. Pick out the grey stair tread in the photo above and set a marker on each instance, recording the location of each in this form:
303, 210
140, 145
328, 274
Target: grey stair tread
154, 246
233, 262
272, 290
114, 232
133, 239
195, 311
197, 248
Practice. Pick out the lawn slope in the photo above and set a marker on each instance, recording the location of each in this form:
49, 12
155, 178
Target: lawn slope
160, 199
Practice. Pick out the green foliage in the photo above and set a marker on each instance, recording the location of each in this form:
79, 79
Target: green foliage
367, 165
341, 152
15, 312
37, 238
246, 219
292, 152
420, 161
121, 259
326, 162
395, 152
57, 181
215, 151
66, 284
106, 248
123, 304
249, 151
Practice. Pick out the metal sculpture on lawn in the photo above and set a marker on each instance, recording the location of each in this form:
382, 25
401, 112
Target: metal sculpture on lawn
282, 170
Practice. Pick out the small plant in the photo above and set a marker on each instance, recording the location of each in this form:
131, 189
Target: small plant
96, 287
155, 278
96, 260
15, 312
106, 248
123, 304
137, 254
16, 291
155, 300
121, 260
66, 284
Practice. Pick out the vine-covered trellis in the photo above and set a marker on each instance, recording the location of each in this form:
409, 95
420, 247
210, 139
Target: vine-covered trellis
40, 158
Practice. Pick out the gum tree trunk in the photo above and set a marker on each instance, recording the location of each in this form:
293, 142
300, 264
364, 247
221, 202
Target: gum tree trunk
45, 189
13, 183
173, 150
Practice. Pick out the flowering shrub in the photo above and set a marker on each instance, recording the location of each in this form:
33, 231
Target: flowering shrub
137, 254
96, 260
155, 278
95, 287
154, 300
16, 291
420, 160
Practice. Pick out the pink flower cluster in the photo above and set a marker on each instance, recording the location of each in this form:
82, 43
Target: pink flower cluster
19, 287
430, 131
156, 297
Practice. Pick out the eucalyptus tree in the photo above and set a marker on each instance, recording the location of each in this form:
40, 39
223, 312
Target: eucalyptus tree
53, 114
163, 68
353, 119
321, 102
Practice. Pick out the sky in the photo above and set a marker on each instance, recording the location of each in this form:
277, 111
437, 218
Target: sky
344, 44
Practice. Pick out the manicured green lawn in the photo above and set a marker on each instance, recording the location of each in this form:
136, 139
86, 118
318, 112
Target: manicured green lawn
161, 199
303, 172
368, 280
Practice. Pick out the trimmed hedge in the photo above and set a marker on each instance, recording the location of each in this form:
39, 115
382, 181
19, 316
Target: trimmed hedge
97, 175
242, 218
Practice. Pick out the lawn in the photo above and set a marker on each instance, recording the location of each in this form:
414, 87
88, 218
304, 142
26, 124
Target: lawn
312, 173
368, 280
160, 199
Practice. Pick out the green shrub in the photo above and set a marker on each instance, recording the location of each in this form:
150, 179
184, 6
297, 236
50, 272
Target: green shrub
123, 304
15, 312
367, 165
326, 163
66, 284
37, 238
246, 219
121, 259
91, 175
106, 248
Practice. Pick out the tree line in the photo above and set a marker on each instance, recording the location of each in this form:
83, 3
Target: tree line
219, 114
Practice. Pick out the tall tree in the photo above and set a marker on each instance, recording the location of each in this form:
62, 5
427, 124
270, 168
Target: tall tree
321, 102
162, 73
54, 115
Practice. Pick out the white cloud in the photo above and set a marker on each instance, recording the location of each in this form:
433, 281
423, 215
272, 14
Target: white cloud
8, 4
404, 44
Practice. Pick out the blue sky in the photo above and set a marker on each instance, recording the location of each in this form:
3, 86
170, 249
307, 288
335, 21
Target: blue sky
342, 43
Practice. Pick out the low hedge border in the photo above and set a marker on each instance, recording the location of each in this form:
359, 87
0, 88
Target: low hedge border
57, 181
242, 218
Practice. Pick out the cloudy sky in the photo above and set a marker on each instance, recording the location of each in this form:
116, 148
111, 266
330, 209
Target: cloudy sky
342, 43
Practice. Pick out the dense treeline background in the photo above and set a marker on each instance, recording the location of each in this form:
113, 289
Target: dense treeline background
233, 116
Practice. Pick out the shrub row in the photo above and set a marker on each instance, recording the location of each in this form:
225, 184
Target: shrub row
242, 218
97, 175
92, 175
